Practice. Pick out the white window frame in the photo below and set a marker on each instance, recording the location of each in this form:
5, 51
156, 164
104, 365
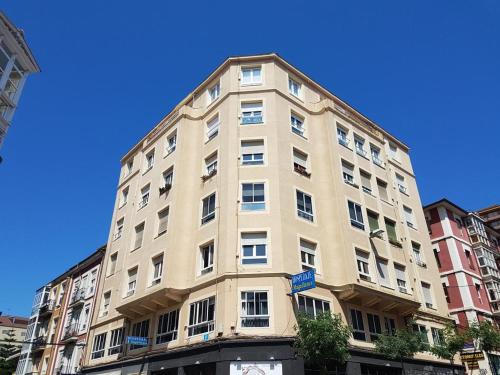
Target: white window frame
138, 244
119, 228
343, 136
400, 181
245, 303
304, 213
409, 217
172, 326
149, 161
295, 87
145, 195
307, 253
427, 294
196, 322
363, 264
210, 215
209, 250
252, 243
253, 80
157, 269
401, 282
359, 145
132, 281
254, 204
171, 143
252, 113
375, 153
124, 196
314, 302
116, 341
254, 159
348, 173
211, 163
98, 346
357, 221
297, 124
213, 92
163, 217
213, 125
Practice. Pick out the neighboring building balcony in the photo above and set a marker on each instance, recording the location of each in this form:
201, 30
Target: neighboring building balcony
390, 302
78, 297
39, 344
67, 369
158, 299
71, 332
495, 308
46, 308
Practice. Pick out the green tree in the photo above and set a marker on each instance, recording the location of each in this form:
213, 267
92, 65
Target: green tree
484, 336
401, 345
8, 348
450, 343
323, 340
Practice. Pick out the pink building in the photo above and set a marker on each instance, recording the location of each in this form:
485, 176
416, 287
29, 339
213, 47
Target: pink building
464, 265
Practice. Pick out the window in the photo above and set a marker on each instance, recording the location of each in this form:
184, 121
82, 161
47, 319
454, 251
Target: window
252, 197
436, 256
342, 136
119, 229
124, 197
307, 255
157, 269
132, 281
139, 233
372, 220
294, 87
390, 227
129, 167
312, 306
382, 190
168, 178
400, 180
401, 278
252, 152
363, 266
251, 76
437, 335
409, 216
163, 221
390, 326
254, 309
417, 254
297, 123
211, 164
375, 151
300, 162
359, 145
251, 113
446, 294
150, 160
213, 93
106, 297
393, 151
98, 346
383, 272
254, 248
208, 209
213, 127
426, 291
112, 264
304, 206
469, 259
171, 143
143, 202
201, 317
348, 173
366, 183
140, 329
207, 258
374, 326
168, 327
358, 328
478, 292
116, 341
356, 215
422, 330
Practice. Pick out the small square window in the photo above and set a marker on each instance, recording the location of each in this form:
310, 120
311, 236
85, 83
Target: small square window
213, 93
252, 152
251, 75
294, 87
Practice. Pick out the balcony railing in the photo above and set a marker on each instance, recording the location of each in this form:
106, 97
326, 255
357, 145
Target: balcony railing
78, 296
71, 331
46, 307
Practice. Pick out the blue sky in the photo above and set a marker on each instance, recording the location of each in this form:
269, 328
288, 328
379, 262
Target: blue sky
427, 71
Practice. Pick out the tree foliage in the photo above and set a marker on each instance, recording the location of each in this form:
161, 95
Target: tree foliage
7, 349
450, 343
404, 343
484, 336
322, 340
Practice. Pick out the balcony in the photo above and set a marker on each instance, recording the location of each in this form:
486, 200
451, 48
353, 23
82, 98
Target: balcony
250, 120
78, 297
39, 343
70, 333
366, 296
153, 301
46, 308
67, 368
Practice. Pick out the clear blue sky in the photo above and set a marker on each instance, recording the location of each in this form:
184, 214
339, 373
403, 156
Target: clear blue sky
427, 71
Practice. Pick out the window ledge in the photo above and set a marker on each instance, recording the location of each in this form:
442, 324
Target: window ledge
147, 170
159, 234
299, 135
354, 185
386, 202
346, 146
250, 84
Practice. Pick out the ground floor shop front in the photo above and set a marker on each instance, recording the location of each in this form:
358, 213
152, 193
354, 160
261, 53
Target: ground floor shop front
258, 357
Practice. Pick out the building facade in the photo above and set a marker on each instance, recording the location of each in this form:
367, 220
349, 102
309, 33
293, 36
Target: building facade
13, 324
16, 64
491, 216
466, 251
259, 174
59, 321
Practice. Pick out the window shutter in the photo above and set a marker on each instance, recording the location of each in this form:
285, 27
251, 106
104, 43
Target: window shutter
251, 107
373, 221
383, 272
347, 168
365, 179
391, 230
253, 238
252, 147
307, 246
426, 289
300, 158
163, 221
400, 272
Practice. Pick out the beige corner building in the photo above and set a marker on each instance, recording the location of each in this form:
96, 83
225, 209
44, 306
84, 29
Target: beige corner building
258, 174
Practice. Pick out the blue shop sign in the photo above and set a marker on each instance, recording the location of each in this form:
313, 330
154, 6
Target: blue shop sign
303, 281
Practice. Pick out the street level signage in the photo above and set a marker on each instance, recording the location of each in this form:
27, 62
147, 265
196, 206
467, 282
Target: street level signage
303, 281
471, 356
136, 340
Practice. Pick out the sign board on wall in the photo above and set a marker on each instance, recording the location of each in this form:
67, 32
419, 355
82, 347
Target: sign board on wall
303, 281
255, 368
136, 340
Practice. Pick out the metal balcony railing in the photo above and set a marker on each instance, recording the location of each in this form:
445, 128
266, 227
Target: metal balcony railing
78, 296
71, 331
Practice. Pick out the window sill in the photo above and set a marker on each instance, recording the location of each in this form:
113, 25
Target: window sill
359, 153
122, 205
169, 153
386, 202
300, 135
250, 84
137, 248
159, 235
296, 96
211, 138
252, 124
354, 185
344, 145
147, 170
